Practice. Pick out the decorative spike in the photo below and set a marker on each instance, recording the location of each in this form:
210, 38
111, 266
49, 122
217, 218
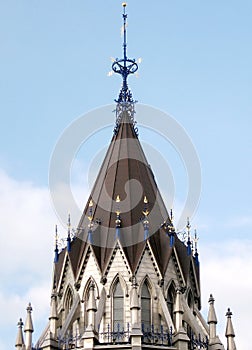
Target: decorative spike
196, 254
69, 233
230, 334
212, 319
56, 250
118, 218
125, 66
171, 230
189, 243
20, 338
146, 221
28, 329
91, 224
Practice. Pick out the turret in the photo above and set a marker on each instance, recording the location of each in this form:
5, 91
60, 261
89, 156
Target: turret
20, 338
28, 329
214, 340
91, 307
53, 315
178, 311
181, 339
230, 334
212, 319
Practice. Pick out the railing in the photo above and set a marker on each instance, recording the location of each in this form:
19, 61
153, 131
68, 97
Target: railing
157, 337
198, 342
69, 342
114, 336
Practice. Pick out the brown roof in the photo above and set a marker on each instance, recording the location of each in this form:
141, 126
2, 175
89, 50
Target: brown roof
125, 172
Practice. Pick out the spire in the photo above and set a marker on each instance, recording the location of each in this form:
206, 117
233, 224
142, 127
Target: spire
189, 243
56, 250
125, 66
69, 234
178, 310
212, 319
20, 338
91, 306
230, 334
118, 218
171, 230
28, 329
90, 218
146, 221
196, 254
53, 314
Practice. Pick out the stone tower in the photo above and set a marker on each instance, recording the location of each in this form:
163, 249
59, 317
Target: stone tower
126, 280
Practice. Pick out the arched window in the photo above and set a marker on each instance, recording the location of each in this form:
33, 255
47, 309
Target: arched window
171, 295
146, 306
190, 300
118, 307
68, 301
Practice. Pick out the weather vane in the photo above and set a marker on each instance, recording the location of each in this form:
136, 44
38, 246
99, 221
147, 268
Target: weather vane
125, 66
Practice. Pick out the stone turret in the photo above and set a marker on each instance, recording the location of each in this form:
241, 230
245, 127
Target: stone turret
230, 334
181, 339
28, 329
53, 316
20, 345
214, 341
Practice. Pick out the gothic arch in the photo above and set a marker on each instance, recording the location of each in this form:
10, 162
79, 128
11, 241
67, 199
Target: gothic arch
68, 299
190, 298
118, 291
171, 298
118, 277
150, 285
146, 293
86, 289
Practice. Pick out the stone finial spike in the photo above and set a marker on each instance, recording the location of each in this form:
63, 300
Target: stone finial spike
178, 310
20, 338
28, 329
56, 250
53, 314
212, 320
69, 233
28, 323
145, 212
230, 334
214, 340
91, 305
189, 243
211, 313
196, 254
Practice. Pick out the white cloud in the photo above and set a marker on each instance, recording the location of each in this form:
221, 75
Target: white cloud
226, 273
27, 225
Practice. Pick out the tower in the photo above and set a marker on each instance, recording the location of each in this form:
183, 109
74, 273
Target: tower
126, 280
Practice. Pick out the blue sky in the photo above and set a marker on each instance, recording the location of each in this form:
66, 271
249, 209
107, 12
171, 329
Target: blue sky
54, 59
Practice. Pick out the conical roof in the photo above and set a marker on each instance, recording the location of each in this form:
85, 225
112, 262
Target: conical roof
124, 183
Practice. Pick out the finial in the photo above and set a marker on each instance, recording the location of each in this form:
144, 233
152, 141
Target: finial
189, 243
125, 66
69, 233
146, 221
118, 218
56, 250
20, 338
196, 254
90, 218
230, 334
171, 229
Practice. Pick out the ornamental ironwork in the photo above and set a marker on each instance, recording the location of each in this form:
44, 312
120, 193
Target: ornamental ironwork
118, 335
157, 336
